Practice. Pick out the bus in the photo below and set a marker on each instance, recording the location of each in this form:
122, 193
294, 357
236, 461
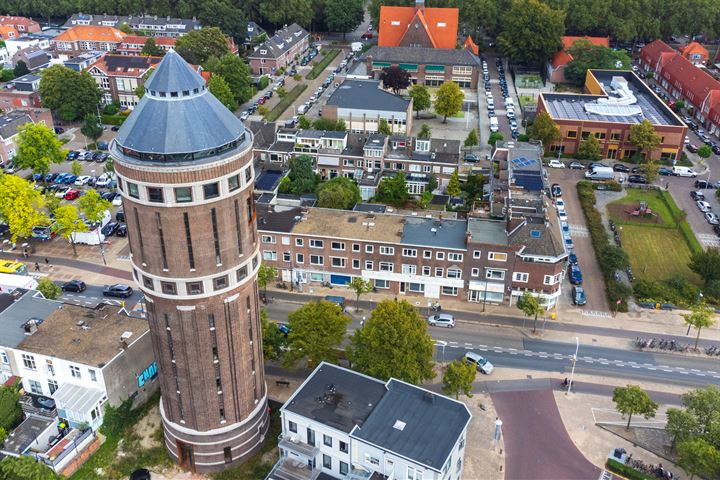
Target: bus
14, 268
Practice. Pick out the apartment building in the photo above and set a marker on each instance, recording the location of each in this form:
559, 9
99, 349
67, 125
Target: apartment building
150, 24
9, 124
119, 76
280, 50
614, 101
20, 24
133, 44
343, 424
88, 38
418, 27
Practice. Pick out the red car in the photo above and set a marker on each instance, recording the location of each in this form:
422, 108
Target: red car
367, 36
261, 100
72, 194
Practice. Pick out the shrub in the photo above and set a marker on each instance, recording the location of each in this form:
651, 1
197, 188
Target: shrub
285, 102
113, 119
320, 67
111, 109
263, 82
118, 419
626, 471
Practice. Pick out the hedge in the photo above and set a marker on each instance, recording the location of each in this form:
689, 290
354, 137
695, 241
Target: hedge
322, 64
626, 471
285, 102
685, 229
113, 119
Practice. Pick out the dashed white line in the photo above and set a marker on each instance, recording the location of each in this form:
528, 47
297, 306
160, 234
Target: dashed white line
651, 368
513, 353
528, 354
700, 374
604, 363
543, 356
468, 344
635, 366
668, 370
685, 373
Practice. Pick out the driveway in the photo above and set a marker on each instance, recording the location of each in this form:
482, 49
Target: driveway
537, 445
592, 276
680, 188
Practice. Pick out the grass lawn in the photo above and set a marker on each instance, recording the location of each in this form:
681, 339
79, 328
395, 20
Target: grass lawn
656, 253
634, 197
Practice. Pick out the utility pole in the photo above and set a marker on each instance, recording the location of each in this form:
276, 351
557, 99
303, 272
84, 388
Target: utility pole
574, 361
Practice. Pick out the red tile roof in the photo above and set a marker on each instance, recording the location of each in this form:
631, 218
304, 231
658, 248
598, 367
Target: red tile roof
694, 83
694, 48
563, 56
470, 45
91, 33
653, 51
441, 25
140, 40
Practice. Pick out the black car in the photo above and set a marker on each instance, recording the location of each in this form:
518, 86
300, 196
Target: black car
716, 228
556, 190
96, 155
119, 290
703, 184
638, 170
619, 167
664, 171
110, 228
471, 157
74, 286
697, 195
637, 179
59, 130
115, 128
109, 196
121, 230
120, 216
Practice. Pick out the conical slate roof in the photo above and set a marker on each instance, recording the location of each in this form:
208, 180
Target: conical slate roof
177, 114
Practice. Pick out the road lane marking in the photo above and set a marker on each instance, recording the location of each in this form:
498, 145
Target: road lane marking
700, 374
651, 368
667, 370
634, 366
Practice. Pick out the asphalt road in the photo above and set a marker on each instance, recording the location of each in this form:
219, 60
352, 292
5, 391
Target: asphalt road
93, 296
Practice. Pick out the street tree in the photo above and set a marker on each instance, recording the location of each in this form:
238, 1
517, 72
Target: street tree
69, 93
151, 49
644, 136
631, 400
282, 12
236, 73
91, 128
93, 206
393, 343
704, 152
590, 149
587, 56
266, 274
453, 187
38, 148
494, 138
49, 289
393, 190
421, 98
449, 99
531, 306
220, 88
274, 341
531, 32
198, 46
544, 129
25, 468
76, 168
343, 15
706, 263
20, 69
303, 178
21, 206
326, 124
317, 330
682, 425
10, 411
459, 377
51, 202
341, 193
425, 132
67, 221
384, 127
704, 403
473, 186
472, 138
360, 287
699, 457
700, 317
304, 123
395, 78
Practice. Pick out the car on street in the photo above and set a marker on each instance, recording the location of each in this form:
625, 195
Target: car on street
578, 295
697, 195
692, 148
441, 320
120, 216
555, 190
366, 36
71, 194
121, 230
637, 179
687, 140
119, 290
575, 275
560, 204
577, 165
109, 196
703, 206
117, 201
619, 167
562, 215
110, 228
244, 115
76, 286
712, 218
572, 258
72, 155
480, 362
703, 184
664, 171
43, 233
556, 164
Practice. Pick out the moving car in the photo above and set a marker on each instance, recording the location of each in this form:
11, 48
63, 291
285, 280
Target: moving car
74, 286
119, 290
578, 295
442, 320
480, 362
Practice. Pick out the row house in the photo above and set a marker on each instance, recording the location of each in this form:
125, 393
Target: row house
154, 25
133, 44
20, 24
280, 50
341, 424
9, 124
685, 81
86, 38
119, 77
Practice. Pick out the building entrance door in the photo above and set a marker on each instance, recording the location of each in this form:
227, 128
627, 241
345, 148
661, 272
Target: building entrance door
187, 458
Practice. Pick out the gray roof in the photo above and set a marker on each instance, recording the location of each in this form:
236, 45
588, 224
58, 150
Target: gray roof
263, 134
282, 41
16, 315
538, 238
29, 78
253, 30
431, 424
162, 124
423, 56
135, 21
369, 207
487, 231
447, 234
365, 95
275, 218
336, 397
9, 123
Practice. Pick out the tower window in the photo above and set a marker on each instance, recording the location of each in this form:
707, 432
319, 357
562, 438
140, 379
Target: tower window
155, 194
183, 194
194, 288
234, 183
188, 240
211, 190
216, 238
162, 240
220, 282
237, 227
168, 288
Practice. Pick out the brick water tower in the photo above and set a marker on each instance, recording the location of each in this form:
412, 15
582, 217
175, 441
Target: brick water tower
184, 168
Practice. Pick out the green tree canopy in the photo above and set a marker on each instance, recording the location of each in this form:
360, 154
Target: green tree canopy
303, 178
631, 400
590, 149
644, 136
76, 168
393, 343
20, 69
588, 56
395, 79
494, 138
344, 15
236, 73
91, 127
393, 190
698, 457
93, 206
682, 425
266, 274
304, 123
72, 94
459, 377
274, 341
544, 129
449, 99
700, 317
220, 88
329, 125
706, 263
425, 132
453, 186
25, 468
384, 128
285, 12
421, 98
198, 46
20, 206
341, 193
531, 31
10, 411
49, 289
705, 151
472, 138
67, 221
317, 330
531, 306
38, 148
360, 287
151, 49
473, 186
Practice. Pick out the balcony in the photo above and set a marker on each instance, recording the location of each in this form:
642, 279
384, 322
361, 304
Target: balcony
292, 444
30, 406
288, 468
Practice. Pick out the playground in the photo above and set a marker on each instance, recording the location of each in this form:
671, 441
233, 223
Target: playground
528, 80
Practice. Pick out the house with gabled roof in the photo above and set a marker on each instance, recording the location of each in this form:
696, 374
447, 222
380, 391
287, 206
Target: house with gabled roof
696, 53
86, 38
418, 26
556, 66
279, 50
119, 76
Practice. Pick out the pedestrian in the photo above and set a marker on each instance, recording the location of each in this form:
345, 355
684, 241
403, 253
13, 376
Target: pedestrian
362, 322
47, 262
25, 253
37, 267
667, 185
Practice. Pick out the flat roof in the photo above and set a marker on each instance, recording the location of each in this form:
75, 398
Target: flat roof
350, 225
366, 95
94, 343
564, 106
431, 232
336, 397
277, 218
18, 312
26, 434
488, 231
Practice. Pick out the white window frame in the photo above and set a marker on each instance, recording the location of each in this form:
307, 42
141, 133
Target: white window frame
322, 260
454, 257
409, 252
409, 269
457, 273
269, 256
490, 271
477, 254
369, 248
521, 277
386, 266
426, 270
439, 272
368, 265
315, 243
341, 244
356, 264
343, 262
300, 258
497, 256
453, 289
427, 253
29, 361
299, 242
268, 239
475, 272
439, 255
387, 250
551, 279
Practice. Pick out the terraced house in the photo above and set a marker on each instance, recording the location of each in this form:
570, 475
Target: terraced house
87, 38
280, 50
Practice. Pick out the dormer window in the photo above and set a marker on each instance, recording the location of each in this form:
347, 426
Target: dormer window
263, 52
173, 94
186, 93
422, 145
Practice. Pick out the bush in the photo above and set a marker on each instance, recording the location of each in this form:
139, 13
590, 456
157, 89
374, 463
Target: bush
111, 109
117, 420
113, 119
263, 82
322, 65
285, 102
683, 226
626, 471
611, 185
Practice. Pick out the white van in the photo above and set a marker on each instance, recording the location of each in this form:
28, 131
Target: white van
509, 101
302, 109
684, 172
491, 103
494, 124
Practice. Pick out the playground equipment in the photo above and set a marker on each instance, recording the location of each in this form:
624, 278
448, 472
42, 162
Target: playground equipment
642, 211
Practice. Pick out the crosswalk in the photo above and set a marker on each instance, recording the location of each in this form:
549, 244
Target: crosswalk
708, 240
578, 230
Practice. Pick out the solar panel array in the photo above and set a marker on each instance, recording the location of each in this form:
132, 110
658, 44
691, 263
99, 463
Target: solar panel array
267, 180
522, 162
531, 182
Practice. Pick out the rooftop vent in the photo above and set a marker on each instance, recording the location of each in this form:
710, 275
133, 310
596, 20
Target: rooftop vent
399, 425
535, 233
125, 335
352, 219
429, 397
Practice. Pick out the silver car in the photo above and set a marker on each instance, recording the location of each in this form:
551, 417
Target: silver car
481, 362
442, 320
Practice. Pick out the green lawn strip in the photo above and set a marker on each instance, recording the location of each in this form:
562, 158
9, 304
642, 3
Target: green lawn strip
322, 64
285, 102
656, 254
685, 229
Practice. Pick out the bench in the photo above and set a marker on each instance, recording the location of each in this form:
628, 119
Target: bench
283, 383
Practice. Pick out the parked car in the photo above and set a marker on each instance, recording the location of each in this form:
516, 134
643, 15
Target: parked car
119, 290
109, 196
480, 362
244, 115
712, 218
110, 228
555, 190
471, 157
42, 233
117, 201
59, 130
82, 180
595, 165
121, 230
556, 164
578, 295
71, 194
637, 179
576, 165
575, 275
664, 171
560, 204
120, 216
442, 320
703, 206
696, 195
692, 148
77, 286
619, 167
115, 128
366, 36
703, 184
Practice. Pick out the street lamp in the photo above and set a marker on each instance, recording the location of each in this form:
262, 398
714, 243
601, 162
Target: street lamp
574, 361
